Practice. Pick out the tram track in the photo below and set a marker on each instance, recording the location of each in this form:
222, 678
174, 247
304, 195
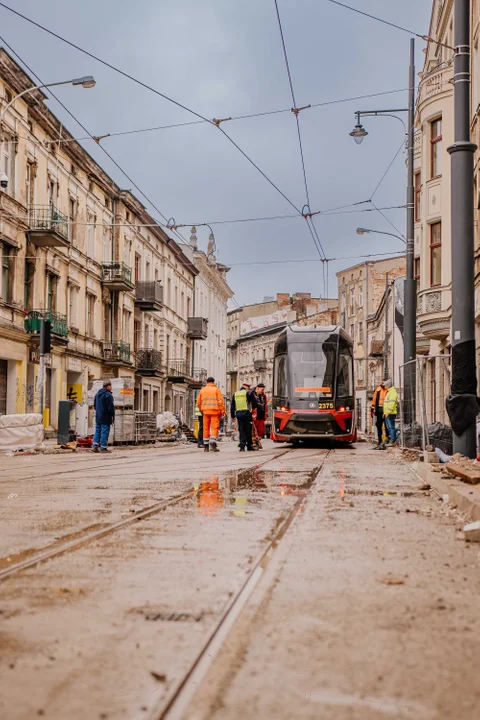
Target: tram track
176, 704
85, 536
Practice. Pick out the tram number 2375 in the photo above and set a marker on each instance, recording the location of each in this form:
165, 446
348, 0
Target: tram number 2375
325, 406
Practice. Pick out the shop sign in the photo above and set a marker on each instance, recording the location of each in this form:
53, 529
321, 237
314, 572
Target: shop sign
74, 364
75, 392
35, 357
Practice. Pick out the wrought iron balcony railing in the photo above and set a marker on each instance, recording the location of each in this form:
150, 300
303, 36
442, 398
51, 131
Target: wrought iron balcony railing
58, 327
47, 226
117, 275
116, 352
148, 360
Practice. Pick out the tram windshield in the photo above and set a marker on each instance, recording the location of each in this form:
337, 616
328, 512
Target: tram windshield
313, 369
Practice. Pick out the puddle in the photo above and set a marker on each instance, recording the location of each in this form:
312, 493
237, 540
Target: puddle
240, 491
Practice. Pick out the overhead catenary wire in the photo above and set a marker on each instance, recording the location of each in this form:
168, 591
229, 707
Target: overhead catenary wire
214, 123
310, 222
117, 165
316, 259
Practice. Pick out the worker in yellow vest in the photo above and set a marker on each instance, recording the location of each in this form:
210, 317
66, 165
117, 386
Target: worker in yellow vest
241, 407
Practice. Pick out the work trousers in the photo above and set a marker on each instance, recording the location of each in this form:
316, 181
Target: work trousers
260, 428
379, 423
200, 431
101, 436
211, 426
390, 425
245, 430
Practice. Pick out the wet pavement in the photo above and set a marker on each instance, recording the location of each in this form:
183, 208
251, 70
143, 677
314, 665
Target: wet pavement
367, 607
116, 620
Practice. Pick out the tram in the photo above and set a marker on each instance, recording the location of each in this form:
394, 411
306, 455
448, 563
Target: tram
313, 385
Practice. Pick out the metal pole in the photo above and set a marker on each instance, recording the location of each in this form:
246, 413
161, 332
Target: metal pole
385, 345
410, 288
41, 369
464, 380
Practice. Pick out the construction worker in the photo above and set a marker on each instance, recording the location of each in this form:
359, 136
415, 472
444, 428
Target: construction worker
261, 411
211, 405
390, 409
377, 411
241, 409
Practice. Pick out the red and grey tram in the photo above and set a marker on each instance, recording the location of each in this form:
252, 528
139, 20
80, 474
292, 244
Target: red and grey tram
313, 385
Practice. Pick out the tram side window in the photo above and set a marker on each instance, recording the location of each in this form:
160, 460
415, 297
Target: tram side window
280, 386
345, 375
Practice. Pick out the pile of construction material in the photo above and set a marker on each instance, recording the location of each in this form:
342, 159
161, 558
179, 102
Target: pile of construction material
21, 432
123, 391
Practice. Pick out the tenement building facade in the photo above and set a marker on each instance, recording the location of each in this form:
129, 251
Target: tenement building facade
80, 252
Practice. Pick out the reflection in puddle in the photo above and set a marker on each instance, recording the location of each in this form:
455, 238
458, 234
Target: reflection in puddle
249, 487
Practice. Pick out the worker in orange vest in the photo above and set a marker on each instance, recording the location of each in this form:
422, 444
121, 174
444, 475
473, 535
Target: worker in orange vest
212, 406
377, 412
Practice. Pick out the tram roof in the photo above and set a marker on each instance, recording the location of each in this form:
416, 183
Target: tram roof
291, 330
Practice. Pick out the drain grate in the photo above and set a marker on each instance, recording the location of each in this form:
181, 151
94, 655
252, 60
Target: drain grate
153, 615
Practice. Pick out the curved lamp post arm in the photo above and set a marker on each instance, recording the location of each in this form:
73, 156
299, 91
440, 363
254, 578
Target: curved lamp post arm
365, 231
86, 82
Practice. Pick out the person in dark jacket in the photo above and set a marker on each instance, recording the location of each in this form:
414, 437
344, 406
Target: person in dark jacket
261, 412
243, 401
104, 417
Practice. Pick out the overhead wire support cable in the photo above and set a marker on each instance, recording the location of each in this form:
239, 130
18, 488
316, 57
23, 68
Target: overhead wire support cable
154, 90
117, 165
427, 38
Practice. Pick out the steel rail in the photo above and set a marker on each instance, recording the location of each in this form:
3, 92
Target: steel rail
60, 549
179, 700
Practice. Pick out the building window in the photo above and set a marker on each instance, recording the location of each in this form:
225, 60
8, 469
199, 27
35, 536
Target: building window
72, 216
417, 191
360, 333
352, 300
107, 244
360, 370
436, 147
30, 185
352, 331
6, 274
28, 285
91, 221
8, 164
436, 254
416, 272
72, 306
137, 268
107, 321
51, 299
360, 296
126, 326
169, 292
91, 316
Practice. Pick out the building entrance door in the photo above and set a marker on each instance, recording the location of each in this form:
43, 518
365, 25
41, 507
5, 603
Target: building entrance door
3, 386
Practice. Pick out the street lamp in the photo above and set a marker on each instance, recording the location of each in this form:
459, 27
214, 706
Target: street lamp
410, 286
358, 132
87, 81
364, 231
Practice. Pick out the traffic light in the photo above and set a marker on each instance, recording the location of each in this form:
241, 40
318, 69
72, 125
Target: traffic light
45, 337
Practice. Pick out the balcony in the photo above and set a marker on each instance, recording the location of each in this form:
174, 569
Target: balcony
47, 227
148, 362
59, 330
260, 365
149, 295
434, 312
181, 372
116, 353
117, 276
197, 328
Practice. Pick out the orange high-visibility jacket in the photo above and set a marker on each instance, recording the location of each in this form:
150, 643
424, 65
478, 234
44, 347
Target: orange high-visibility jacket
378, 397
210, 400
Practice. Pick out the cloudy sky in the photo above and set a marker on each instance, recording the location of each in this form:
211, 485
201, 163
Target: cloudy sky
223, 58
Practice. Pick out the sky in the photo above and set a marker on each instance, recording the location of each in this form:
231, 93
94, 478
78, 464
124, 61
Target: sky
224, 58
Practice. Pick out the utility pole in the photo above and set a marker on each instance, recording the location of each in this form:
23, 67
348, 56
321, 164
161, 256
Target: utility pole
45, 347
462, 406
385, 344
410, 286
